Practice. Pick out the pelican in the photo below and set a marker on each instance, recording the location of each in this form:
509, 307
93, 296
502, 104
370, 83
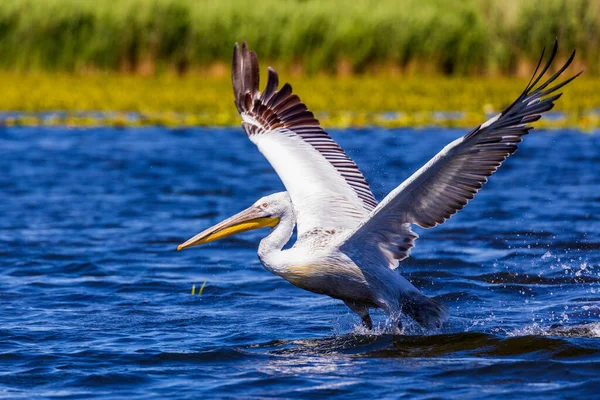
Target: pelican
348, 245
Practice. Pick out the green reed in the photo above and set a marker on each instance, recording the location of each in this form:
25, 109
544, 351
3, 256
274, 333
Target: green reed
454, 37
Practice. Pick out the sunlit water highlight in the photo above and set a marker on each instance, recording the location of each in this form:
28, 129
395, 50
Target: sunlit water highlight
96, 302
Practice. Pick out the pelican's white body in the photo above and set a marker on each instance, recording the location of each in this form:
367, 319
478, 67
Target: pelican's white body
316, 263
349, 245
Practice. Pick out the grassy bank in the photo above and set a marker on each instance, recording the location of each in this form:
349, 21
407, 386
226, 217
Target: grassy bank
114, 99
454, 37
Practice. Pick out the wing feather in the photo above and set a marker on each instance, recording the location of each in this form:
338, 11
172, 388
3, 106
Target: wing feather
450, 179
278, 118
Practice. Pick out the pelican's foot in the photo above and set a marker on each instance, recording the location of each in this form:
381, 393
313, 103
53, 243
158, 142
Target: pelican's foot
399, 326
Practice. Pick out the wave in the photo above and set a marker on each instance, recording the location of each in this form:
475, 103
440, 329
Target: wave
554, 342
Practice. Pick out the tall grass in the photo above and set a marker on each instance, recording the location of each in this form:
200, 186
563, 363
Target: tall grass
455, 37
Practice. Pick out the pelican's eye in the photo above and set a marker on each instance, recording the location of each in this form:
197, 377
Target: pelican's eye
265, 205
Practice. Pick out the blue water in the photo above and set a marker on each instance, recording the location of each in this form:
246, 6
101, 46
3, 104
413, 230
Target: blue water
96, 302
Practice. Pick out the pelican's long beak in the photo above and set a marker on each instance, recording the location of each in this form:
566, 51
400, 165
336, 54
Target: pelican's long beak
249, 219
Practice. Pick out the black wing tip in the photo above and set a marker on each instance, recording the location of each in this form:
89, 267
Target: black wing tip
287, 87
244, 48
560, 70
535, 99
536, 77
531, 90
235, 76
244, 75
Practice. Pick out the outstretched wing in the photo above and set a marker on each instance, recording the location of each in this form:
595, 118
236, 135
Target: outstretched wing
325, 185
449, 180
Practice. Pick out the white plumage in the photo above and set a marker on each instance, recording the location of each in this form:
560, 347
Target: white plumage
349, 246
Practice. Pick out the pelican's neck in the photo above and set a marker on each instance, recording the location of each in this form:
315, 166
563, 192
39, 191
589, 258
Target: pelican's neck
270, 246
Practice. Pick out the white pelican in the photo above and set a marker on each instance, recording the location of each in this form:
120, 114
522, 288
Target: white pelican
348, 245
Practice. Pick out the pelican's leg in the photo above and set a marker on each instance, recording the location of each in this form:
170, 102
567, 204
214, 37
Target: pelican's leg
363, 313
367, 322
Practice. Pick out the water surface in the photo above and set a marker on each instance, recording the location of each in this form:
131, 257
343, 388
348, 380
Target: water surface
96, 302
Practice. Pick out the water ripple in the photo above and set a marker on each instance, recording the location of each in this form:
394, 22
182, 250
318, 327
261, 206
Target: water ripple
97, 303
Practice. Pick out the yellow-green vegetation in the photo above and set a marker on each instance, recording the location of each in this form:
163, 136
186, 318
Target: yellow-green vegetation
455, 37
199, 291
355, 63
337, 101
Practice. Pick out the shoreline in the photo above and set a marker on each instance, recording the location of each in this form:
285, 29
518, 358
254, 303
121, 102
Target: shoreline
339, 120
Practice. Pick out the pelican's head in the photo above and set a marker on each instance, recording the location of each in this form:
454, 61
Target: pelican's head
266, 212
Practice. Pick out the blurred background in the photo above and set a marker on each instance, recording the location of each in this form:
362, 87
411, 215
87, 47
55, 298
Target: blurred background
355, 63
